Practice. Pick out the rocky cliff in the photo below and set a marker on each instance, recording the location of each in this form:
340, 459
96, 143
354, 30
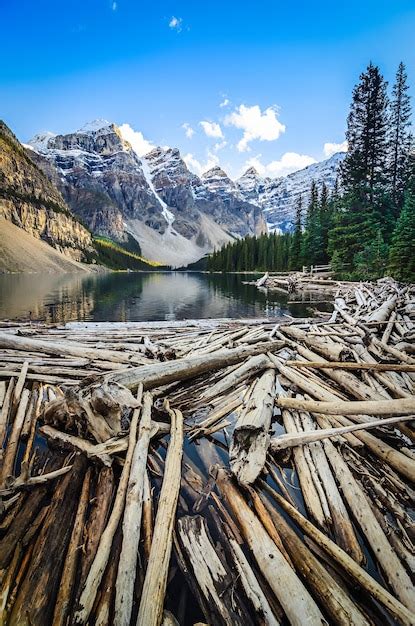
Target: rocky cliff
277, 197
175, 216
29, 200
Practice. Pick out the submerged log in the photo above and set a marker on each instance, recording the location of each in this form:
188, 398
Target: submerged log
64, 598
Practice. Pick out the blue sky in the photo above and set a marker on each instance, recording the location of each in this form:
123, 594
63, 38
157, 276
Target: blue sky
283, 72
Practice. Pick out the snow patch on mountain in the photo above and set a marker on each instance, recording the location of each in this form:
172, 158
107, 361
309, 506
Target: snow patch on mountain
278, 197
95, 125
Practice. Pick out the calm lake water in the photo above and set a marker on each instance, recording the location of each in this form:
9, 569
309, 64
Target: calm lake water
139, 297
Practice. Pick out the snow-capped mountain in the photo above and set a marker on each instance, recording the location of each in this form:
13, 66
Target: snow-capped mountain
175, 215
278, 197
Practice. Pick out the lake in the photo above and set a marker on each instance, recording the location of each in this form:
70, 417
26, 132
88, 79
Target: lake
140, 297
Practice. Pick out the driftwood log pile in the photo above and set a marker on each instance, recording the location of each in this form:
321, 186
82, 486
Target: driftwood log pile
299, 282
211, 472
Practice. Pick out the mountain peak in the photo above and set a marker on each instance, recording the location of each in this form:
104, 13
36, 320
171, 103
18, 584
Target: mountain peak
95, 125
40, 141
215, 172
251, 172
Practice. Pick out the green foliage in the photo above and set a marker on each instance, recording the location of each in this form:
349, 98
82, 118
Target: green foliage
295, 260
402, 250
116, 257
373, 175
400, 139
352, 229
266, 252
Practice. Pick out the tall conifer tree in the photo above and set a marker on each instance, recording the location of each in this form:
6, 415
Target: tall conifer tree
362, 210
399, 138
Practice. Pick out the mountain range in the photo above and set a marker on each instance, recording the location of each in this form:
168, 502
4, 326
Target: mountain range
175, 216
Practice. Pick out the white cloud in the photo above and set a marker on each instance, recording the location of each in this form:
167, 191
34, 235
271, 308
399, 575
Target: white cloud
225, 102
139, 144
289, 162
264, 126
212, 129
176, 23
220, 145
189, 131
331, 148
114, 6
197, 166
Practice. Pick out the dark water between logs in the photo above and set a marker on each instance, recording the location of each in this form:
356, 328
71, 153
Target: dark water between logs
154, 296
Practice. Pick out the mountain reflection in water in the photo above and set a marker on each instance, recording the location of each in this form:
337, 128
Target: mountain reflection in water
139, 297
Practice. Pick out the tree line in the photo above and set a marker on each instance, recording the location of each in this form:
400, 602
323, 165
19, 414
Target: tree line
366, 226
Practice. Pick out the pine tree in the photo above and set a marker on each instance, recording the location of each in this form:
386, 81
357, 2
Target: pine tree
399, 138
363, 169
311, 238
363, 208
402, 250
295, 257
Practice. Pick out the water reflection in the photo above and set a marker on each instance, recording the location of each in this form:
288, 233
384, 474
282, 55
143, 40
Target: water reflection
137, 297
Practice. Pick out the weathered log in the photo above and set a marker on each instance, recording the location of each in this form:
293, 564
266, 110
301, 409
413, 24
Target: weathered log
290, 591
382, 313
262, 280
100, 561
251, 436
5, 409
337, 603
213, 579
252, 366
13, 441
20, 383
404, 406
152, 598
8, 340
308, 488
380, 367
251, 586
357, 573
132, 519
323, 345
151, 376
34, 607
339, 516
302, 438
396, 459
95, 525
385, 555
65, 593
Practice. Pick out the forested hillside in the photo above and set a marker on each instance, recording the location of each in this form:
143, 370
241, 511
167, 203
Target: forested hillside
366, 227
